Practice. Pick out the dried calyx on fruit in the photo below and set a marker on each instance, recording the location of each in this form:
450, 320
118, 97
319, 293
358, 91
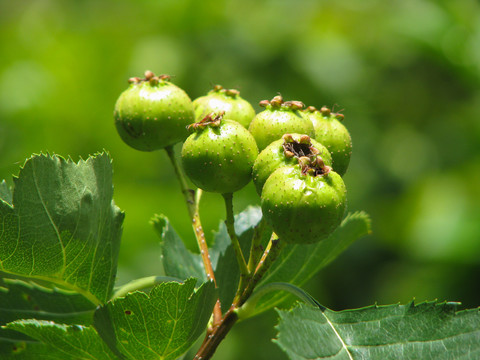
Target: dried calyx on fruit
333, 134
314, 166
279, 117
286, 152
227, 100
219, 155
304, 203
212, 120
153, 113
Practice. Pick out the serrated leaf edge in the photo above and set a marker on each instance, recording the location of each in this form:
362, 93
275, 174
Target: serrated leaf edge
448, 306
68, 160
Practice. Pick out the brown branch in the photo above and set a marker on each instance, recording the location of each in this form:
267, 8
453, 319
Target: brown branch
216, 336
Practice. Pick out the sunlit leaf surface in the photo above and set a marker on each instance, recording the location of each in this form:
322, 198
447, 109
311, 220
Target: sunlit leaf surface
61, 341
160, 325
61, 225
427, 331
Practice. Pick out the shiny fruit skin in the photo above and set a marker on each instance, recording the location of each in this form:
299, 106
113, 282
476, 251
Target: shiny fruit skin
334, 135
220, 159
275, 121
152, 115
303, 209
229, 101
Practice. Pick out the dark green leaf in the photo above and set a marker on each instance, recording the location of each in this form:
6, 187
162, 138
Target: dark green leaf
73, 341
427, 331
62, 225
177, 260
298, 263
30, 351
160, 325
5, 192
181, 263
21, 300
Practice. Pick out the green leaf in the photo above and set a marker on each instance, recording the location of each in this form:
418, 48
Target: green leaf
298, 263
177, 260
425, 331
73, 341
62, 225
5, 192
29, 351
181, 263
21, 300
161, 325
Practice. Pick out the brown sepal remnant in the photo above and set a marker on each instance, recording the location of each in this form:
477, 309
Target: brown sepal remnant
300, 148
229, 92
307, 155
212, 119
313, 167
278, 102
150, 77
326, 111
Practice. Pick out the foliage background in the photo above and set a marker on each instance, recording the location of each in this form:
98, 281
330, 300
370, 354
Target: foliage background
406, 74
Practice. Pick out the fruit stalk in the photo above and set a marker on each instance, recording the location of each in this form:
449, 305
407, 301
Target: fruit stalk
218, 333
269, 256
230, 223
256, 249
192, 200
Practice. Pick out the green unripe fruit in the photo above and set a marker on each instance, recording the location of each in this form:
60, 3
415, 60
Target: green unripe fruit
219, 155
285, 152
333, 134
153, 113
227, 100
277, 119
303, 204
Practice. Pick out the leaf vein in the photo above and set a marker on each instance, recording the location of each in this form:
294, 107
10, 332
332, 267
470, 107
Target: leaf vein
47, 212
338, 336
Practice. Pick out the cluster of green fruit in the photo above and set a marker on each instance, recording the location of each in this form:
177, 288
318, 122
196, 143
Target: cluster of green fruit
303, 151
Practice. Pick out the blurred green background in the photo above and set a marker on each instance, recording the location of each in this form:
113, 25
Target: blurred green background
406, 74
